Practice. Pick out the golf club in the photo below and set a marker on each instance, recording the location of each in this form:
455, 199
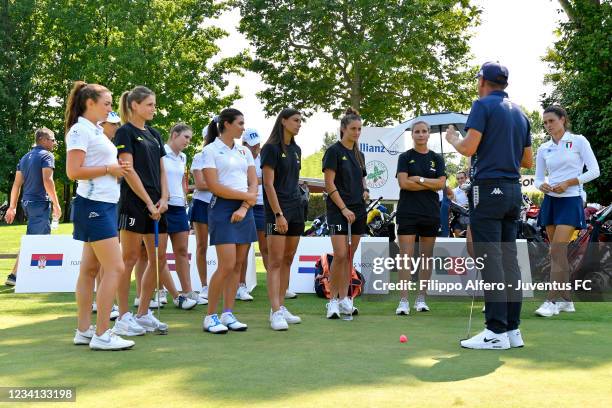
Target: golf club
156, 230
349, 317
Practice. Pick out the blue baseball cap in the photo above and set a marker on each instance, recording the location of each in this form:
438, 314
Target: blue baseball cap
494, 72
251, 137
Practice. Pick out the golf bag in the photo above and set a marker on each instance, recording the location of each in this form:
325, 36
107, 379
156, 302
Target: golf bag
321, 281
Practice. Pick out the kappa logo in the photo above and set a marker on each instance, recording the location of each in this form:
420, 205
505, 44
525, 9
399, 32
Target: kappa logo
131, 221
497, 191
93, 214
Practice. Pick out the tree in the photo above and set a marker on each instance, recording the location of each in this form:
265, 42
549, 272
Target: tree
582, 81
538, 135
162, 44
385, 58
329, 139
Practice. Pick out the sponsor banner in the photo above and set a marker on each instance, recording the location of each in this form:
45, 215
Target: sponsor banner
381, 162
50, 263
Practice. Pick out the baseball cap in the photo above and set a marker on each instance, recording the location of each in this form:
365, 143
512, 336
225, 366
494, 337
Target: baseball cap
113, 117
251, 137
494, 72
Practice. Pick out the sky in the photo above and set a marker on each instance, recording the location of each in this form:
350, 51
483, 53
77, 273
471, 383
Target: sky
516, 33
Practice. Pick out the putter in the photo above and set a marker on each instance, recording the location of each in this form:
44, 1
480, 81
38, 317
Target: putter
349, 317
156, 230
469, 326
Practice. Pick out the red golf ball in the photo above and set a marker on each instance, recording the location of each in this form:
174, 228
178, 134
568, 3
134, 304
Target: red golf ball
403, 339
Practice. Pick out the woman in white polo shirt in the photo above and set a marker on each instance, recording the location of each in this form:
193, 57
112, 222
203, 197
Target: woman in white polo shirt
91, 159
198, 215
176, 216
229, 171
562, 159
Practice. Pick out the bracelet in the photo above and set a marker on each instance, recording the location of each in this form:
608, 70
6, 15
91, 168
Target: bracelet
335, 191
245, 206
343, 209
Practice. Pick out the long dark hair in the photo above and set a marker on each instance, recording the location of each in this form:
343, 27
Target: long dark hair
137, 94
560, 113
351, 115
78, 96
217, 125
277, 136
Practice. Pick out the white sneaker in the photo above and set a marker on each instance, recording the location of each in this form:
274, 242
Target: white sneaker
290, 295
126, 325
184, 303
228, 319
152, 303
204, 292
150, 323
487, 340
243, 293
162, 296
94, 307
565, 306
420, 305
347, 307
110, 341
289, 317
547, 309
212, 324
83, 338
278, 321
515, 338
114, 314
333, 309
403, 308
197, 297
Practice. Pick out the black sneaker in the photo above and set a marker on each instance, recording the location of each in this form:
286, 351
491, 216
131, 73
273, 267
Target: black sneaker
11, 279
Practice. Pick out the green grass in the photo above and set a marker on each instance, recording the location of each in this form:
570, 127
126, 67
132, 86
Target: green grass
323, 363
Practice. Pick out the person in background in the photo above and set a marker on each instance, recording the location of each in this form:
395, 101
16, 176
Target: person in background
460, 224
35, 174
562, 159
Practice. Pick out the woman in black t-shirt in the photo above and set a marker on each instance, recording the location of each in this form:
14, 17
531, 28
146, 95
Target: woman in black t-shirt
420, 174
344, 169
281, 162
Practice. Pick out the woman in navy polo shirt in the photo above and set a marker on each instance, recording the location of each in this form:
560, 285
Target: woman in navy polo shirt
344, 170
281, 162
420, 174
92, 160
562, 159
229, 171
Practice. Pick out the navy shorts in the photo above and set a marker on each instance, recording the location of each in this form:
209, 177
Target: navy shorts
94, 220
418, 225
176, 218
260, 217
295, 222
338, 225
38, 213
222, 231
562, 211
199, 212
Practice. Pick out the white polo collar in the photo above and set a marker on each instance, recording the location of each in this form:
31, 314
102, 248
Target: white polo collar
218, 143
85, 122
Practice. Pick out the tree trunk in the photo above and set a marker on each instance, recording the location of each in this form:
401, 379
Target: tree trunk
356, 88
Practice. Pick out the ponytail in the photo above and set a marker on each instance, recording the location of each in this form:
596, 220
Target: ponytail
217, 125
351, 115
76, 102
137, 94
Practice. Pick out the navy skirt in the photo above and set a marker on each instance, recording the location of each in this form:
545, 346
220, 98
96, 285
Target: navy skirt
222, 231
177, 220
562, 211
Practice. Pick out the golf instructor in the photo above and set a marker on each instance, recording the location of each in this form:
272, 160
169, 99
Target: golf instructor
498, 137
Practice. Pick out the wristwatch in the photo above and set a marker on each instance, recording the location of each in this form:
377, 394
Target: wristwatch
421, 180
278, 214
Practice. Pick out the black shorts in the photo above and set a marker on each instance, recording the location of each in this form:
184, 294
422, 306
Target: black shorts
134, 217
421, 226
338, 225
295, 222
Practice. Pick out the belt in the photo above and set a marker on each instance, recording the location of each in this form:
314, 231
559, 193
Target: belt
483, 182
